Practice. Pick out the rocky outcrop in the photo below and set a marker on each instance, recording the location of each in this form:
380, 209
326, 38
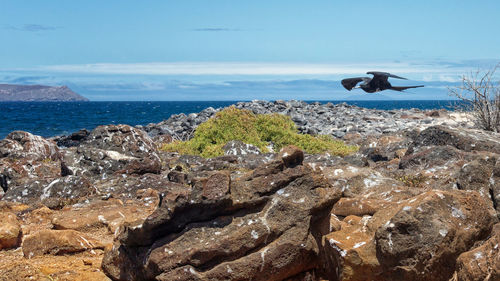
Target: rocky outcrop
24, 157
425, 237
337, 120
114, 149
482, 262
54, 193
416, 202
257, 227
19, 144
38, 93
10, 230
58, 242
463, 139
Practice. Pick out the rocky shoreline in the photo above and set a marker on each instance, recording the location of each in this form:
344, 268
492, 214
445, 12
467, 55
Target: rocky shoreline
420, 200
336, 120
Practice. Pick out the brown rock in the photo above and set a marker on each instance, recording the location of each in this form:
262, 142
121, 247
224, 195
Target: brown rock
216, 186
291, 156
177, 176
367, 183
349, 252
19, 171
114, 149
54, 193
358, 206
21, 271
481, 263
56, 242
10, 230
264, 229
108, 214
19, 144
480, 175
424, 238
460, 138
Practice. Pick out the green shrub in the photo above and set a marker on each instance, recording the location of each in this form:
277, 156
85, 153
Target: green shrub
413, 180
259, 130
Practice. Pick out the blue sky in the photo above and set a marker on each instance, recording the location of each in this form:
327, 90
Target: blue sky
231, 50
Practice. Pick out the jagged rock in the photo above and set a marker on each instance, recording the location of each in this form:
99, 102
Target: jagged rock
54, 193
357, 181
10, 230
435, 156
263, 216
384, 148
291, 156
198, 164
124, 139
260, 230
24, 157
349, 253
463, 139
359, 206
162, 139
481, 263
114, 149
58, 242
479, 175
178, 177
19, 144
216, 186
109, 214
127, 186
424, 238
417, 239
338, 120
15, 172
75, 139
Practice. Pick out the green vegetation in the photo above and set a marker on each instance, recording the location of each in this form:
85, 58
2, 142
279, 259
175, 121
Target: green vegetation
259, 130
413, 180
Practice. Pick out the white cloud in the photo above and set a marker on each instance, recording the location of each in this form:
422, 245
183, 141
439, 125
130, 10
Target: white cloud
425, 72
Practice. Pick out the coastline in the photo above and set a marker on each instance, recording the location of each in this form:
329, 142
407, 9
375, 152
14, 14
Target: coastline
57, 119
417, 173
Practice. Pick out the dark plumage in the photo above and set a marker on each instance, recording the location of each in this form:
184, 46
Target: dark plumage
376, 84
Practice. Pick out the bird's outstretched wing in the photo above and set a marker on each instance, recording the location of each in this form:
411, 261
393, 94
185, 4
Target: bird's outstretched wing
384, 75
350, 83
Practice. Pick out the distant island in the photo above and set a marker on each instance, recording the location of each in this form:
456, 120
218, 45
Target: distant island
38, 93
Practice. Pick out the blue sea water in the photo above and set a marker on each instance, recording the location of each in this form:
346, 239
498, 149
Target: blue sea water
60, 118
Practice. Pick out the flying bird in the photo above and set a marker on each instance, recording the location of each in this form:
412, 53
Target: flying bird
376, 84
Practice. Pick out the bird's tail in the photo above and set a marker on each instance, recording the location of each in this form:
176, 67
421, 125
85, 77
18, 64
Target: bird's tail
404, 88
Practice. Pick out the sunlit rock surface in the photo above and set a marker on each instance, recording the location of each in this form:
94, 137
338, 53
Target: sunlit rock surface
418, 201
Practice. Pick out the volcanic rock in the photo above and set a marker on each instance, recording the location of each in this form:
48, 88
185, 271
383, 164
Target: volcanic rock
424, 238
10, 230
57, 242
54, 193
19, 144
114, 149
109, 214
259, 230
460, 138
481, 263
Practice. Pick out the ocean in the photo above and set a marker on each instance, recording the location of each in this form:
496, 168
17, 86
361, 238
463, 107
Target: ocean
49, 119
